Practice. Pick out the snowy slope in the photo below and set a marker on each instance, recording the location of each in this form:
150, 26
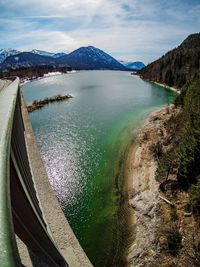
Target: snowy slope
57, 55
42, 53
47, 54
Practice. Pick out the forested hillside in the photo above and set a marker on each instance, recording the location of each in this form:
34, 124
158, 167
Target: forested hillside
177, 66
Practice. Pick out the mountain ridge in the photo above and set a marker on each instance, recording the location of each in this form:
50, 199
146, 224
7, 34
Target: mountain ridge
27, 59
82, 58
46, 53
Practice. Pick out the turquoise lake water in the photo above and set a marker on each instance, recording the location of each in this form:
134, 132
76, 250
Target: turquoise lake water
82, 141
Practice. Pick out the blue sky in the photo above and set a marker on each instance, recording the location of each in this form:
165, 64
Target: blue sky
127, 29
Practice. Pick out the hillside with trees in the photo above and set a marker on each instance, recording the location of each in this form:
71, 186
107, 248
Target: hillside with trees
177, 66
178, 157
32, 72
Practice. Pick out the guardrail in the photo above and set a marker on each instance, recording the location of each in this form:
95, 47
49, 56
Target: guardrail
20, 211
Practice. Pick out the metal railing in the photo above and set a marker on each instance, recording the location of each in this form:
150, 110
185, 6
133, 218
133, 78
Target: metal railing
20, 211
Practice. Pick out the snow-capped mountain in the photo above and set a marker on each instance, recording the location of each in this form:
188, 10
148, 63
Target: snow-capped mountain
4, 53
138, 65
91, 58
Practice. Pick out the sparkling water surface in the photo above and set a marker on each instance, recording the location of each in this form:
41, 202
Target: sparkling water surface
82, 141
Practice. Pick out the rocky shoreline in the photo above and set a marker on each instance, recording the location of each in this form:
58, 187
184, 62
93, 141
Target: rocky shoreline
143, 190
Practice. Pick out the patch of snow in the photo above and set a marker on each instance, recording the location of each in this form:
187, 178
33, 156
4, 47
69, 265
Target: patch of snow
52, 73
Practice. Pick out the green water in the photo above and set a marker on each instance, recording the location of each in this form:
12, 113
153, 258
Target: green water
82, 142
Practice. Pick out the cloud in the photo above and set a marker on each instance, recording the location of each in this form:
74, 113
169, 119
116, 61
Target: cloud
66, 8
128, 29
47, 40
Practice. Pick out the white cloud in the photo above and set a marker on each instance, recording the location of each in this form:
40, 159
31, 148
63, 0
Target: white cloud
137, 41
129, 29
54, 7
47, 40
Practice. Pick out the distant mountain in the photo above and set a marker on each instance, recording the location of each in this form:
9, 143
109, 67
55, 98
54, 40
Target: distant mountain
47, 54
28, 59
4, 53
86, 58
177, 66
89, 58
137, 65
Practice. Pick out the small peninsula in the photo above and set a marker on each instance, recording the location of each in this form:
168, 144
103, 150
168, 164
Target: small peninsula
42, 102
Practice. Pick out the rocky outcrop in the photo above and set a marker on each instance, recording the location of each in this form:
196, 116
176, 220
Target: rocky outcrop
165, 233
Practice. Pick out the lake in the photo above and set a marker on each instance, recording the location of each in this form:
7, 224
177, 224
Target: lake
82, 142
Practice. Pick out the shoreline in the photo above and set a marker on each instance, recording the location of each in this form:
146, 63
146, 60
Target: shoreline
46, 75
168, 87
126, 219
174, 89
142, 190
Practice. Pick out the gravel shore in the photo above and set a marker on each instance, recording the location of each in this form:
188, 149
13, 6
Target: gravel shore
143, 189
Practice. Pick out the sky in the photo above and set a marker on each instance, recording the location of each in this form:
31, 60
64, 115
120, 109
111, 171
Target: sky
126, 29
